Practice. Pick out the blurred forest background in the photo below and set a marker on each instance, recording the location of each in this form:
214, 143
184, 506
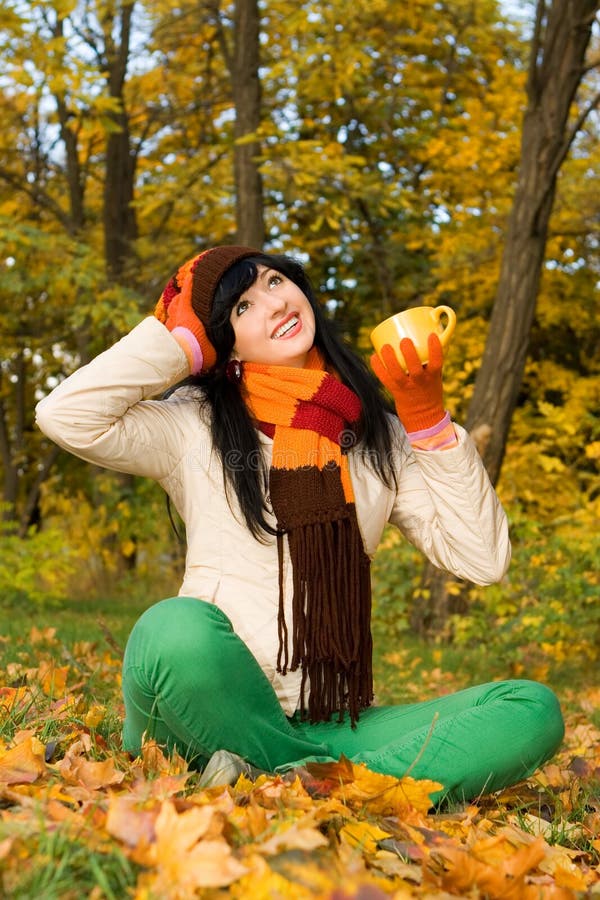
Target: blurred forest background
437, 151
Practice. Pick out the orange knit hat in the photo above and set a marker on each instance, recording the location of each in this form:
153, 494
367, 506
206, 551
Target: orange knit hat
198, 279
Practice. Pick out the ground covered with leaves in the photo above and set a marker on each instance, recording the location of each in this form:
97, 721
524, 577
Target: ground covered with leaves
79, 818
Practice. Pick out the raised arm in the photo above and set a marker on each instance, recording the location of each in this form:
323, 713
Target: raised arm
447, 507
103, 412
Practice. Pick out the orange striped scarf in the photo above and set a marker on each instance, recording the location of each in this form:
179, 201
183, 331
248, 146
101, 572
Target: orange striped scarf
311, 417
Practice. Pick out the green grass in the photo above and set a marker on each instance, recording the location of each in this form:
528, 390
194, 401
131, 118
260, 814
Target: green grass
496, 640
96, 620
57, 867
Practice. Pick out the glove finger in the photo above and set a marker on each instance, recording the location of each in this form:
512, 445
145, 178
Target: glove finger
411, 357
381, 372
436, 353
390, 360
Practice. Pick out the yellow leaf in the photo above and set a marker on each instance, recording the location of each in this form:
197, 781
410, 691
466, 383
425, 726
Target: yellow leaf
52, 678
386, 795
94, 715
592, 451
183, 860
363, 835
24, 763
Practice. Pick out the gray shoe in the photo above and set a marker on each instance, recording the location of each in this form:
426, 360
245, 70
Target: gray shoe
225, 768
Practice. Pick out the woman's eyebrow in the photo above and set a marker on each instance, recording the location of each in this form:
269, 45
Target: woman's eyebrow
264, 274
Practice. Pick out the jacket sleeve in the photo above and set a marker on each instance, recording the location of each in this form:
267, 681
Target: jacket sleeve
103, 414
447, 507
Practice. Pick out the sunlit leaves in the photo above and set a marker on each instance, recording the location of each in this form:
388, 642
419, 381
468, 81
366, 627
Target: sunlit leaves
66, 787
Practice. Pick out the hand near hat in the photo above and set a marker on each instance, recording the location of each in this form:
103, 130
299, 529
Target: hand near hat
418, 394
187, 329
185, 305
174, 309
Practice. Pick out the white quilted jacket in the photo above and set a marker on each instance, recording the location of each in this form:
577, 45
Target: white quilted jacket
444, 505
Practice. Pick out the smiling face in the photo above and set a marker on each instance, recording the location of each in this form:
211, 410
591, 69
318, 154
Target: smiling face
273, 322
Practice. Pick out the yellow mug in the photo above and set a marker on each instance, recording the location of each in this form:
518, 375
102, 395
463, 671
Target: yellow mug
417, 324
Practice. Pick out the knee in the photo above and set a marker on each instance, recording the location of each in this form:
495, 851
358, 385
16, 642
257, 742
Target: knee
176, 632
546, 718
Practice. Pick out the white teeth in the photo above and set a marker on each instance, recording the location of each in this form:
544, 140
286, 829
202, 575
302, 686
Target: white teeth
285, 328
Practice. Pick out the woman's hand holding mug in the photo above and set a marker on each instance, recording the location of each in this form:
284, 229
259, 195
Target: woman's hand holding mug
409, 362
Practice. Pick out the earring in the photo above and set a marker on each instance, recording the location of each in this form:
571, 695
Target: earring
234, 371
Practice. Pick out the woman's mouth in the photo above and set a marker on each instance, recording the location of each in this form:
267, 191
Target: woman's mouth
290, 326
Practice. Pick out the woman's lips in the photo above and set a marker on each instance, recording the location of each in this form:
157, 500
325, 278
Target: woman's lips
289, 330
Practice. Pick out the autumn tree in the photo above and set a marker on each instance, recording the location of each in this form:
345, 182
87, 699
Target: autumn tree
556, 111
557, 107
241, 52
381, 146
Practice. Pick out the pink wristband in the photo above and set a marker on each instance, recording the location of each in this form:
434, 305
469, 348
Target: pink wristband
430, 432
197, 357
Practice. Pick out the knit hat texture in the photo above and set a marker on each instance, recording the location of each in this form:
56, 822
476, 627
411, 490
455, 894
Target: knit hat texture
197, 280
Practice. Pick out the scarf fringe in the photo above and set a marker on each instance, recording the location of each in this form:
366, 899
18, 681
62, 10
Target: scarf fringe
331, 633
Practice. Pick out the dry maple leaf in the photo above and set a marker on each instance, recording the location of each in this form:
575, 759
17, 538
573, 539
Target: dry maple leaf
463, 871
129, 821
385, 795
87, 773
153, 761
299, 835
182, 860
24, 763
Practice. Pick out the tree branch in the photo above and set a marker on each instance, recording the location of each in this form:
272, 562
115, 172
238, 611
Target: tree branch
34, 491
39, 197
536, 44
572, 134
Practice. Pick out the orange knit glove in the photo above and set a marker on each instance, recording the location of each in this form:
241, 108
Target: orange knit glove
174, 310
418, 394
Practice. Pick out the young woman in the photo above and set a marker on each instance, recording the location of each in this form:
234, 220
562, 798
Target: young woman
285, 463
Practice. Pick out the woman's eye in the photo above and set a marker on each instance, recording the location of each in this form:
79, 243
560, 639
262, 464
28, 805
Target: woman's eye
275, 279
241, 307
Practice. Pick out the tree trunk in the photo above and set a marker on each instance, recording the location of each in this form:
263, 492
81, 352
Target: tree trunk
120, 226
560, 41
246, 88
557, 66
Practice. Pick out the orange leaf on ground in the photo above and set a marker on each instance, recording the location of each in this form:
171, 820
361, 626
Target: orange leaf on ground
129, 821
153, 761
24, 763
88, 773
336, 773
183, 861
52, 678
463, 872
13, 699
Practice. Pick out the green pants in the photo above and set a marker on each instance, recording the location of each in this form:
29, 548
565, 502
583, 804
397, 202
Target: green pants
193, 685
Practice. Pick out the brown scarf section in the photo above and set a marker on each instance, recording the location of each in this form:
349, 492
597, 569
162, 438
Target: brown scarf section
309, 413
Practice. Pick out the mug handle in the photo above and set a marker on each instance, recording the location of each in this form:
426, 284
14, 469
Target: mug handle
448, 331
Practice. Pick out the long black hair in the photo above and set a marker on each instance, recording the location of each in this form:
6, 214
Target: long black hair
234, 436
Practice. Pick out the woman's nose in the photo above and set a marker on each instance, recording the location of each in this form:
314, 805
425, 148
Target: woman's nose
276, 303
